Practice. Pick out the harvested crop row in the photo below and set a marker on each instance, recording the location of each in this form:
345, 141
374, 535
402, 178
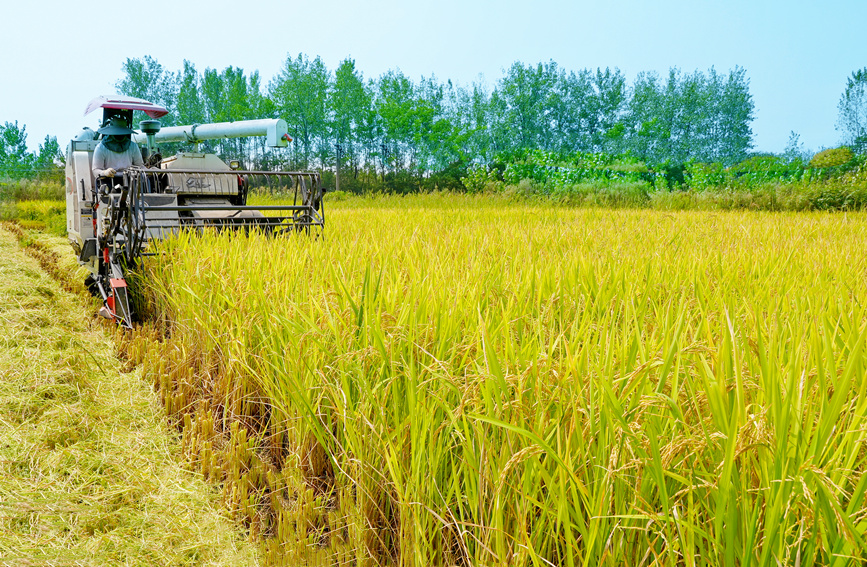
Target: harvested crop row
88, 474
470, 383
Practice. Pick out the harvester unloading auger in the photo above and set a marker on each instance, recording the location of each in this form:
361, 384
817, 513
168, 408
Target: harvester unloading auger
111, 220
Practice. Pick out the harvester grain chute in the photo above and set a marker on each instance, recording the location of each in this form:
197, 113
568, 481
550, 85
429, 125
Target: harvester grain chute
111, 220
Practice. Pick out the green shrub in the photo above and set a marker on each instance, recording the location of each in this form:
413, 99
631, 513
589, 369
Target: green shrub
31, 190
552, 168
759, 170
478, 178
47, 215
605, 194
674, 200
831, 158
762, 182
523, 190
837, 196
703, 176
334, 196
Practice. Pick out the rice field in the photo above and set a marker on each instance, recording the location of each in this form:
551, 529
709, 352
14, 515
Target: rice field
448, 380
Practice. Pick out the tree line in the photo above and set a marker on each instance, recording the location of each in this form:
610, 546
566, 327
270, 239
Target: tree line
852, 111
16, 162
392, 127
395, 131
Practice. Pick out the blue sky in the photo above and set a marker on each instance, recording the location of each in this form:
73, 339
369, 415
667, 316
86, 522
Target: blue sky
797, 54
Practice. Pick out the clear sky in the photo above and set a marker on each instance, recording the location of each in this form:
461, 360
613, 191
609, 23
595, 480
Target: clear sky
797, 54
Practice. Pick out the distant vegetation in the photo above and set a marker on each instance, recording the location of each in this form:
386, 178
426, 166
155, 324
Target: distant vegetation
397, 135
578, 137
31, 185
16, 162
832, 180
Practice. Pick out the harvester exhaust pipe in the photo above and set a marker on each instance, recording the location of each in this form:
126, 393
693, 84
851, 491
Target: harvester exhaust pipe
149, 128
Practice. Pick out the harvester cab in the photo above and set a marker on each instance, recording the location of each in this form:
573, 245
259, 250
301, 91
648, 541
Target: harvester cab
110, 219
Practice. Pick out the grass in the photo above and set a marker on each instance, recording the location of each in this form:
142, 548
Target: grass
45, 215
89, 472
458, 380
33, 189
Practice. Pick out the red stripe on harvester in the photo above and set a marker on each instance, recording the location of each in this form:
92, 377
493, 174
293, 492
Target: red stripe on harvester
118, 282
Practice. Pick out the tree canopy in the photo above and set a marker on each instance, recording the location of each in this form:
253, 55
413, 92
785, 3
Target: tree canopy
17, 162
852, 109
392, 124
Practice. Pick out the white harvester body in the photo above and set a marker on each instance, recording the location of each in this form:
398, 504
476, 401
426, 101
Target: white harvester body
111, 220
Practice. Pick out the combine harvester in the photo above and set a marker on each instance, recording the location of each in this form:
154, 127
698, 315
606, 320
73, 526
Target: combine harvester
110, 220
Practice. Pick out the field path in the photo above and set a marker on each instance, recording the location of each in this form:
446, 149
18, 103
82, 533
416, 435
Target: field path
89, 471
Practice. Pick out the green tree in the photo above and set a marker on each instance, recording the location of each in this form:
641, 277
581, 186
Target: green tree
299, 93
456, 108
795, 152
522, 95
647, 132
50, 154
738, 111
432, 129
350, 112
226, 96
15, 161
237, 106
577, 115
146, 79
852, 108
472, 116
190, 106
213, 100
49, 161
499, 133
698, 116
607, 104
394, 103
543, 107
236, 94
690, 123
260, 106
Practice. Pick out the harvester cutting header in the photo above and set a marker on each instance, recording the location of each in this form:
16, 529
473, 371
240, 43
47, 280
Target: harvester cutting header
120, 196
